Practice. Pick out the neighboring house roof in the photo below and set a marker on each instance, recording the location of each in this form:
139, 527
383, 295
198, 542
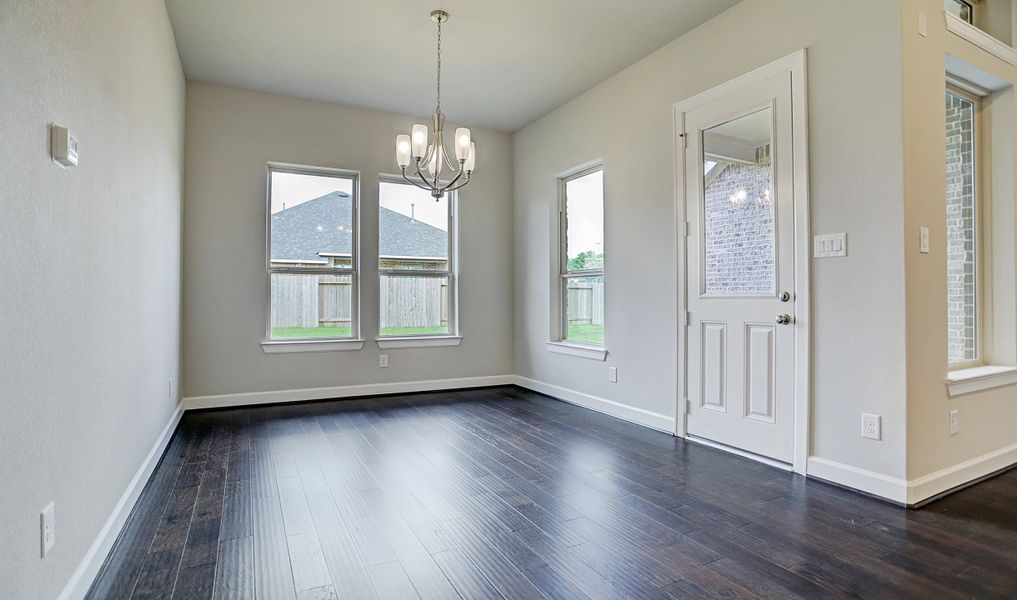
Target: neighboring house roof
323, 225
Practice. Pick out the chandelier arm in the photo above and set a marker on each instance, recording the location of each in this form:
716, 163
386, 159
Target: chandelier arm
461, 185
423, 180
449, 185
414, 183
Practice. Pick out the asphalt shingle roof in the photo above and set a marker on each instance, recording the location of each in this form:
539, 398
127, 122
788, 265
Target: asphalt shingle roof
323, 225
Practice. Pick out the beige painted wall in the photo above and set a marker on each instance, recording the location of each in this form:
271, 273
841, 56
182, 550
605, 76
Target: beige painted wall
90, 280
231, 135
856, 187
988, 420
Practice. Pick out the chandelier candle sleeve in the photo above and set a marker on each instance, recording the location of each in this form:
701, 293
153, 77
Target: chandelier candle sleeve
419, 140
462, 143
403, 151
425, 150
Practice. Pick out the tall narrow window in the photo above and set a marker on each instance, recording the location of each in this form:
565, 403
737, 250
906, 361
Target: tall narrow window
962, 231
582, 257
416, 262
312, 253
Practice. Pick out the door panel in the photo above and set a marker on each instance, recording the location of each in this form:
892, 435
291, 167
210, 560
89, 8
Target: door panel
740, 249
714, 396
760, 364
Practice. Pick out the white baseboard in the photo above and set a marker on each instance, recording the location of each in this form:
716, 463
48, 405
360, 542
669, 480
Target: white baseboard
870, 482
638, 416
960, 474
82, 578
342, 391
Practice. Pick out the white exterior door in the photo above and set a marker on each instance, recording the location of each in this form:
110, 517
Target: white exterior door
740, 249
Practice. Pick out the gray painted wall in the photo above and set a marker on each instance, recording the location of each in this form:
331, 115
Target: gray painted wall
855, 127
231, 135
91, 269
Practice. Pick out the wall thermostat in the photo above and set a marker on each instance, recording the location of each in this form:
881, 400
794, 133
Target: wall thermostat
63, 146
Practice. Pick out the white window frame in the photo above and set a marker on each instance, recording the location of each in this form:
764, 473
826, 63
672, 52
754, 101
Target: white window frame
426, 340
353, 341
982, 301
559, 342
972, 6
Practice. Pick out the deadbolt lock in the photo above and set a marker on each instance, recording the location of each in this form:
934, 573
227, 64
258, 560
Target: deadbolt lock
785, 296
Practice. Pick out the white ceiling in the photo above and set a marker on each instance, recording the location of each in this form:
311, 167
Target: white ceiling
504, 62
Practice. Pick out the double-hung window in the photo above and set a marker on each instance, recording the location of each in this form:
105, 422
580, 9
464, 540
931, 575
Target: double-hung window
581, 257
963, 233
312, 254
416, 262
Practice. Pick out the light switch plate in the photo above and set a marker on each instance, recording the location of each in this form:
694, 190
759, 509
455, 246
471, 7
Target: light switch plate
923, 242
829, 245
612, 374
923, 25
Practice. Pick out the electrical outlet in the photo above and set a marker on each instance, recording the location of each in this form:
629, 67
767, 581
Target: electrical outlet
872, 426
954, 422
383, 361
612, 374
47, 529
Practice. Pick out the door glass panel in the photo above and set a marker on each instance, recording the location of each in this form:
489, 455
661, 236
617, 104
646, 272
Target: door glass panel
738, 245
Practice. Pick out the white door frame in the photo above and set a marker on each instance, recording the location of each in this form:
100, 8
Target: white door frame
795, 65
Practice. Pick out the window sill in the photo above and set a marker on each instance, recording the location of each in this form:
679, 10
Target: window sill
977, 379
580, 350
423, 341
287, 346
979, 38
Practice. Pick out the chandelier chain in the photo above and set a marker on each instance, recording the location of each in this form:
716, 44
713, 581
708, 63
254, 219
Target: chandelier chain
439, 66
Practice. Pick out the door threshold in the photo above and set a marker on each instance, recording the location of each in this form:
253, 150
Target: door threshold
783, 466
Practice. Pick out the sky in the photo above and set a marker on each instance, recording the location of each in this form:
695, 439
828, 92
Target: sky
585, 202
292, 189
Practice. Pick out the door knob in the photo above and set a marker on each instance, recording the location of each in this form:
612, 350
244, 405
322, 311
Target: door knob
785, 296
783, 319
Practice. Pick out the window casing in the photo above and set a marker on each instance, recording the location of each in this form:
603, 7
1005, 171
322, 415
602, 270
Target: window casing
963, 230
581, 257
312, 253
417, 262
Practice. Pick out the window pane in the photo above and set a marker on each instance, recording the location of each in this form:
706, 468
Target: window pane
414, 305
738, 211
311, 306
412, 228
961, 229
959, 8
312, 220
584, 218
584, 309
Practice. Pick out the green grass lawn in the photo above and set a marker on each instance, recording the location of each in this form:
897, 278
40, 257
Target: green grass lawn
585, 333
303, 333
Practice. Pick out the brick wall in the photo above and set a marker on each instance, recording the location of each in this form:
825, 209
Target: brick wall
739, 229
960, 228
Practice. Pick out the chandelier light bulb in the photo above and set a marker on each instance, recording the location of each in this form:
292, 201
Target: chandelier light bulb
403, 151
462, 143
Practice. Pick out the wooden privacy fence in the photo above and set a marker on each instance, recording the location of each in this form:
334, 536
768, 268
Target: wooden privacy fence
585, 302
414, 301
300, 300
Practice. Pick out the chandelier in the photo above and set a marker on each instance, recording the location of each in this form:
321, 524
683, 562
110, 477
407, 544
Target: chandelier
430, 159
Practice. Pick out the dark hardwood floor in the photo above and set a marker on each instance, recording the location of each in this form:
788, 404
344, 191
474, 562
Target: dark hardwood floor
505, 493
